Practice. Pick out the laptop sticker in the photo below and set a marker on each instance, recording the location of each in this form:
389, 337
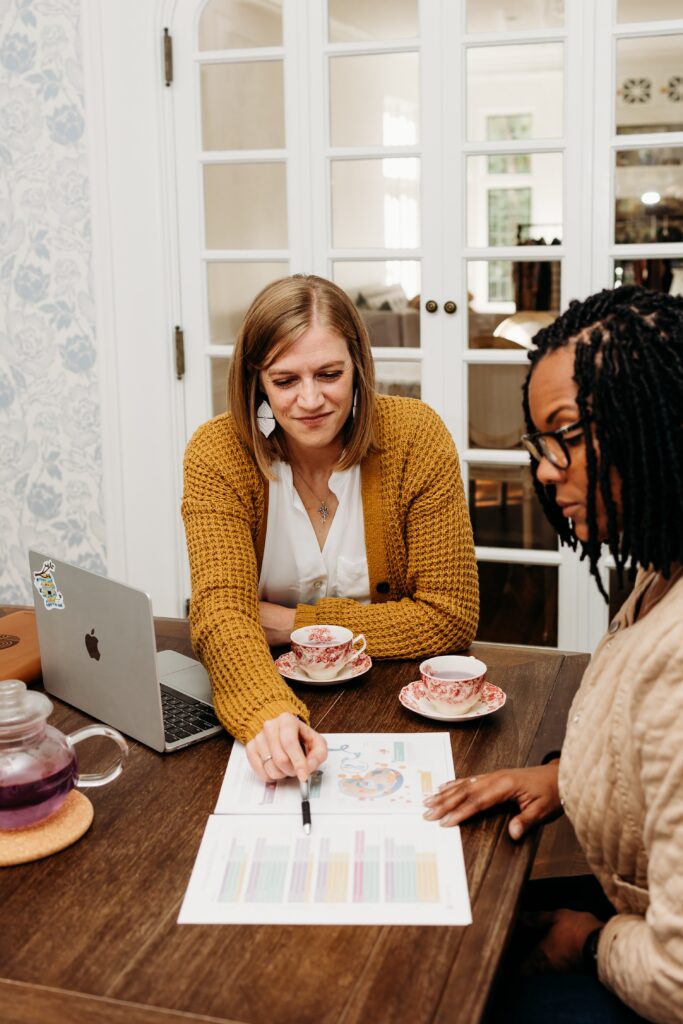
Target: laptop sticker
46, 585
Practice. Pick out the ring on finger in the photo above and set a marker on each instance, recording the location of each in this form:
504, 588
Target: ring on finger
264, 759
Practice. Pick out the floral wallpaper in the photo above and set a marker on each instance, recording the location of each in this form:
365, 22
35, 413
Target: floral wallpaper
50, 456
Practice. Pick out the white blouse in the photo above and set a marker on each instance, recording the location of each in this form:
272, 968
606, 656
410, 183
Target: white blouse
294, 569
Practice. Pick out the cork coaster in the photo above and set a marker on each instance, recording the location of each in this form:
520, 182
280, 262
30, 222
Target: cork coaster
61, 829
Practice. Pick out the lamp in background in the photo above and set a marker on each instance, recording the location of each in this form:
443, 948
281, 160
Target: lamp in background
520, 328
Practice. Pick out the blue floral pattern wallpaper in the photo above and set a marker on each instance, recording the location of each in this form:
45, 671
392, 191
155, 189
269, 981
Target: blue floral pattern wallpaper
50, 454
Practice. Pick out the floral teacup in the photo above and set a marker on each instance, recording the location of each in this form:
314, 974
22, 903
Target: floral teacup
323, 651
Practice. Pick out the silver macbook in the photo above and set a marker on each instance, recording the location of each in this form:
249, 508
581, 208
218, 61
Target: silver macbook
98, 653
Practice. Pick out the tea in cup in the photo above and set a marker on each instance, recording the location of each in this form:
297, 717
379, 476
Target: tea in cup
323, 651
453, 682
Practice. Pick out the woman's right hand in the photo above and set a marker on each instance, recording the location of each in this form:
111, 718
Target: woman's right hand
534, 790
284, 747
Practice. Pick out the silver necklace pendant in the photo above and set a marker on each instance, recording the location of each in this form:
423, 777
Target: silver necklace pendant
324, 511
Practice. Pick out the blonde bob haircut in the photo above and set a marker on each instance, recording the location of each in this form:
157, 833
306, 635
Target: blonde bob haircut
278, 317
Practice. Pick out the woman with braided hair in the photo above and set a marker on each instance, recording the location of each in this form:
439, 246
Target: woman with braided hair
604, 407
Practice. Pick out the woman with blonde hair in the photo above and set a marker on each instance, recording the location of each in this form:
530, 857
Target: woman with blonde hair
317, 500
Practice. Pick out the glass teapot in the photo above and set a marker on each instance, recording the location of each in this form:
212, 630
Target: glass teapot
38, 765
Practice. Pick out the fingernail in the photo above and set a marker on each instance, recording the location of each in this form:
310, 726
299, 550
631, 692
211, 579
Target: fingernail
515, 829
429, 814
428, 801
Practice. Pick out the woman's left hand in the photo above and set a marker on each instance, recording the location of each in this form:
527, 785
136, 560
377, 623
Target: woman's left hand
277, 622
561, 948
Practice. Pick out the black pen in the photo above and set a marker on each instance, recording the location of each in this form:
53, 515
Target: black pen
305, 806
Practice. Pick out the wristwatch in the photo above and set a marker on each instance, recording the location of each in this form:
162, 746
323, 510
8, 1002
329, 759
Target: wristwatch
589, 953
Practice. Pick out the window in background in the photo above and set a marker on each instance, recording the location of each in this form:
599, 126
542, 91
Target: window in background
543, 223
503, 127
648, 195
649, 81
661, 275
535, 303
509, 211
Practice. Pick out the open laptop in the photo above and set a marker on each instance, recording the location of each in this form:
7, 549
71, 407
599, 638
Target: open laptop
98, 653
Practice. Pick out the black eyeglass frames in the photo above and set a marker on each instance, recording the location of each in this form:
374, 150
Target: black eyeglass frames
553, 445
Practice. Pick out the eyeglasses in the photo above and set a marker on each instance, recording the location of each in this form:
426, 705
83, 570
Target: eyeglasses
554, 445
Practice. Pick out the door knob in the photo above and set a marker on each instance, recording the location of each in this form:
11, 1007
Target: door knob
431, 306
449, 307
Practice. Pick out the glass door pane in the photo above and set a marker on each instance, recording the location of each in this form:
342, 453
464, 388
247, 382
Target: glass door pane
240, 24
648, 203
243, 105
514, 15
353, 21
650, 83
509, 301
519, 603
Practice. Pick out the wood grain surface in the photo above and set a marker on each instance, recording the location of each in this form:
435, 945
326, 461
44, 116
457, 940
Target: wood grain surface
98, 920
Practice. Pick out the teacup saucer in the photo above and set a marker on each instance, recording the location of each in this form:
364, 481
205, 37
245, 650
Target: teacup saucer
414, 698
287, 667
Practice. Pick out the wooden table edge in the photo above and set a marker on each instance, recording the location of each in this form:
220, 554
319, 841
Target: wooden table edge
29, 1003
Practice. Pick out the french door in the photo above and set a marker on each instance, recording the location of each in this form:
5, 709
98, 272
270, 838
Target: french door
462, 170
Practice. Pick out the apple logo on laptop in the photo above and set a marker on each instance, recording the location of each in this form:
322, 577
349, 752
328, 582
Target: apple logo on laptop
91, 642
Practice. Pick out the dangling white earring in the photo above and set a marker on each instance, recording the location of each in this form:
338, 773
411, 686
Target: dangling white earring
265, 418
355, 403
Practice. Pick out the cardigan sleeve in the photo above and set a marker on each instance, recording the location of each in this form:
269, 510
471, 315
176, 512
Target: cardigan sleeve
441, 610
219, 516
640, 958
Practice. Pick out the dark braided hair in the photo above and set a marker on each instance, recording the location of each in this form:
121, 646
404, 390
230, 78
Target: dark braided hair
628, 369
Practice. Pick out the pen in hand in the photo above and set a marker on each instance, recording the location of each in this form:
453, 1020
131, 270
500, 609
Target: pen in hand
305, 805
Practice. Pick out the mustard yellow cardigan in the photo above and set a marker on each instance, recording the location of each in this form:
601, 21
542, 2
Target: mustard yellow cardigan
418, 538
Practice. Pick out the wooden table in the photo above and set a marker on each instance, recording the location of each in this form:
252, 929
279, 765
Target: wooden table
90, 934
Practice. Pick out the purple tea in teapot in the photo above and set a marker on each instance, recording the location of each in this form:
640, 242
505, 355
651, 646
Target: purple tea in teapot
38, 765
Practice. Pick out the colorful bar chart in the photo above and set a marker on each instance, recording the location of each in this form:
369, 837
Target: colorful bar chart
410, 876
388, 871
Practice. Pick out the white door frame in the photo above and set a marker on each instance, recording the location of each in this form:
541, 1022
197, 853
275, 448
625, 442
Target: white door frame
136, 303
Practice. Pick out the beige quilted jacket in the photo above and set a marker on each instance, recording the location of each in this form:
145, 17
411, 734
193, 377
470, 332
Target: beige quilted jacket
621, 782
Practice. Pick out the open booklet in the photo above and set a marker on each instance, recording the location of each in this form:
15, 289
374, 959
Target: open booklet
371, 858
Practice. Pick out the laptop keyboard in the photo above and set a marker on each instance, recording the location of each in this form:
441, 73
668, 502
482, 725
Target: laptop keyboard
184, 716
